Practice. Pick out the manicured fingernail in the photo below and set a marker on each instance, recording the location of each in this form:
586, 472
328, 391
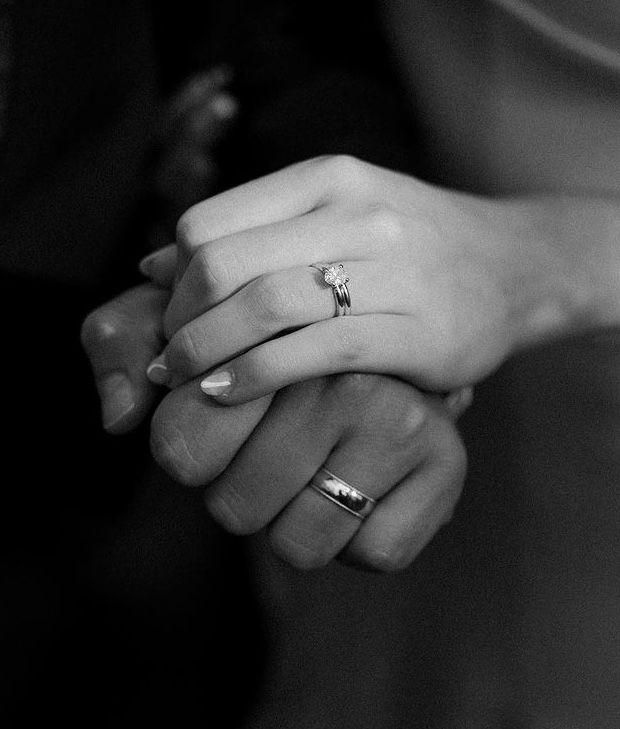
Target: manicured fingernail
217, 384
146, 263
117, 398
158, 372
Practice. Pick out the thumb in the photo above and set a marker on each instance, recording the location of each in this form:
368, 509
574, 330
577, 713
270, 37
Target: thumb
120, 339
161, 266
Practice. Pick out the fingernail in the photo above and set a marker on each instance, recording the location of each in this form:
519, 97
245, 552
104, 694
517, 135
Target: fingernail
217, 384
157, 372
145, 264
117, 398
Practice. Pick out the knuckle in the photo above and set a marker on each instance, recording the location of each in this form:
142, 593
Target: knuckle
301, 554
231, 510
345, 172
385, 225
188, 232
353, 343
345, 167
270, 301
98, 327
170, 450
409, 428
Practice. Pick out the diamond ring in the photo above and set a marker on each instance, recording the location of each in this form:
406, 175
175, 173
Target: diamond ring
336, 277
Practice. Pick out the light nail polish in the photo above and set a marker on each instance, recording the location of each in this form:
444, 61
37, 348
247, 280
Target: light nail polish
157, 372
217, 384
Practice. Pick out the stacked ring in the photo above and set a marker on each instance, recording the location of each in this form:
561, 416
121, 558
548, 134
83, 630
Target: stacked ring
340, 492
336, 277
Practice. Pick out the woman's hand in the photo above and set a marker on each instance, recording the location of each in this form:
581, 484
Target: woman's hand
444, 286
378, 434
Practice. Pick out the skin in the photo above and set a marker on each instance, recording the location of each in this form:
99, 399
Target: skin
381, 434
445, 286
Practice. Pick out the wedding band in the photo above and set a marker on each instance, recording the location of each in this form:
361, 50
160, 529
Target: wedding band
341, 493
336, 277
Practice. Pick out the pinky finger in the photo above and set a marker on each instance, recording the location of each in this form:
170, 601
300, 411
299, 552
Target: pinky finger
407, 518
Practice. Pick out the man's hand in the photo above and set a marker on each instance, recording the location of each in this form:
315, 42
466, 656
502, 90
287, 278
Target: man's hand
120, 339
377, 433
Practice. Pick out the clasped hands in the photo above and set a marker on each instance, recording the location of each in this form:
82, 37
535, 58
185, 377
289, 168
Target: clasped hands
267, 386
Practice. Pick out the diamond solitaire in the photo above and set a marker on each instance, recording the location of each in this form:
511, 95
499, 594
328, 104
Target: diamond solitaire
336, 278
335, 275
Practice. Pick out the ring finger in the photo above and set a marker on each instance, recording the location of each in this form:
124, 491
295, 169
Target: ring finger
369, 430
316, 526
270, 305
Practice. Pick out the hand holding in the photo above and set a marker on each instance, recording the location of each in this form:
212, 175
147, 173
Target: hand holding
443, 285
378, 434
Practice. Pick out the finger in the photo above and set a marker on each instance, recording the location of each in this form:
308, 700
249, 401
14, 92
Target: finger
193, 440
160, 266
222, 267
120, 339
288, 193
268, 306
369, 424
279, 458
374, 343
313, 528
410, 515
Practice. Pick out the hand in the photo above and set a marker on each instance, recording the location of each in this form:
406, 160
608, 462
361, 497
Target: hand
377, 433
121, 338
363, 422
444, 286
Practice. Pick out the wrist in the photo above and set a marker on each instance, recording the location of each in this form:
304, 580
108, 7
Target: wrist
568, 277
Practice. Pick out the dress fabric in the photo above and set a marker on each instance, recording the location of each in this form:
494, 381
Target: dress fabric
509, 109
